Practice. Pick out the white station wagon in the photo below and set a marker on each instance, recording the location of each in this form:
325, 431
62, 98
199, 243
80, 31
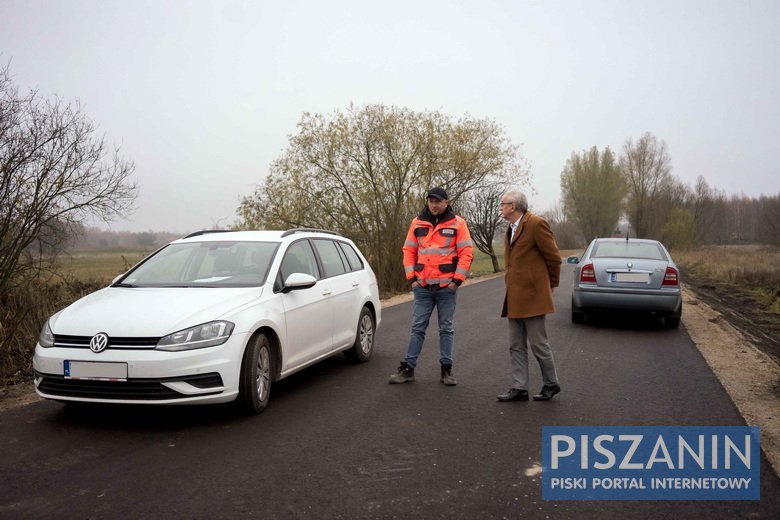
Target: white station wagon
211, 318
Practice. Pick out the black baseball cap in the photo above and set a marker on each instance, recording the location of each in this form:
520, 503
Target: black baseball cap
437, 193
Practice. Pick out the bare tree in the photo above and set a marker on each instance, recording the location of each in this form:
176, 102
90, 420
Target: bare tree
480, 209
646, 168
54, 174
566, 232
592, 190
769, 219
365, 173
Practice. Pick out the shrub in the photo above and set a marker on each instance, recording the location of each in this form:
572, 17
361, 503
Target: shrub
23, 311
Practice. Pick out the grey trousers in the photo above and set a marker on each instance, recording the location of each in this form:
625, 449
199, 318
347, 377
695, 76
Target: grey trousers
525, 332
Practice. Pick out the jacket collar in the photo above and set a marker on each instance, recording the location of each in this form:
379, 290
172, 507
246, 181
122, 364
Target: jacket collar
426, 215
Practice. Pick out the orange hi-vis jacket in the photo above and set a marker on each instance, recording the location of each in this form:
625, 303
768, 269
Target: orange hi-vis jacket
438, 251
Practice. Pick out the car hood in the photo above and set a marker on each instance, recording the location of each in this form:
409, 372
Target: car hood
149, 312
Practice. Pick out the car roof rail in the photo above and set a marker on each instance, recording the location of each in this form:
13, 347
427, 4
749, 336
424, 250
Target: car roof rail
207, 231
307, 230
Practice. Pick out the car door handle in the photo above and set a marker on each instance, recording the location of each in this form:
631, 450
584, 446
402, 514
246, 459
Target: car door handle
326, 292
355, 283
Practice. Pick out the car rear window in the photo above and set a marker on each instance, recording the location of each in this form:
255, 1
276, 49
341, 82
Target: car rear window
331, 259
628, 249
352, 257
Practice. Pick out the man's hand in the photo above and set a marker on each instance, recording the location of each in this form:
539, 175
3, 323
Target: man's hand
453, 286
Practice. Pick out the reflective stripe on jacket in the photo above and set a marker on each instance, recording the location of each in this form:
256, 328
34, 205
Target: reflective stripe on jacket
438, 253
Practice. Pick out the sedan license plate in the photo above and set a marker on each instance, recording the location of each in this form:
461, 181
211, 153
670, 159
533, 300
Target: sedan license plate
95, 370
630, 277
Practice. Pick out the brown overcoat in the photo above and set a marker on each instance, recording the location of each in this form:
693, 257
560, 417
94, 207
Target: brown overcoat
533, 269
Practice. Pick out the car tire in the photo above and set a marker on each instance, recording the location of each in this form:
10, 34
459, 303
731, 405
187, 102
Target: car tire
577, 315
361, 350
671, 322
257, 372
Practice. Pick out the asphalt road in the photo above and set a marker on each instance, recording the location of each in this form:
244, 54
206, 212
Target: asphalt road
337, 441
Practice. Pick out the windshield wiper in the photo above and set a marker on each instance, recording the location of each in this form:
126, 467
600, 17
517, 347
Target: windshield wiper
123, 285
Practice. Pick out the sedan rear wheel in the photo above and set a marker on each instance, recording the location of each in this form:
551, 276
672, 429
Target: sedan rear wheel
577, 315
364, 339
257, 370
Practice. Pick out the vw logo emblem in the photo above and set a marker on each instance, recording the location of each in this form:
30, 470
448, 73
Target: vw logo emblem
99, 342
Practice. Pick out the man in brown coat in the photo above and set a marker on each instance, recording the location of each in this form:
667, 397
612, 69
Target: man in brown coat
533, 268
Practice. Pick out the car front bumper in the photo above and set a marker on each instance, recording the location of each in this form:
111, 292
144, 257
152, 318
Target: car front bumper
200, 376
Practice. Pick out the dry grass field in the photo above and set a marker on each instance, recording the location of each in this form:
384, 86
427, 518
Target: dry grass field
753, 268
98, 265
743, 284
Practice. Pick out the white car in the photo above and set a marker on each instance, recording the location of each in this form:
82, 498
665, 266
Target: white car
211, 318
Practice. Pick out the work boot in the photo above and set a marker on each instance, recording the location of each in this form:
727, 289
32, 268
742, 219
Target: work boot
405, 374
446, 376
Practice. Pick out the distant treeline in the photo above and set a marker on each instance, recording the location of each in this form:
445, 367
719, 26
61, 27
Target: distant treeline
636, 190
713, 219
95, 238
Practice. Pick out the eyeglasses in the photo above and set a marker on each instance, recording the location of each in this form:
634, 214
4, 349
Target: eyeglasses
504, 203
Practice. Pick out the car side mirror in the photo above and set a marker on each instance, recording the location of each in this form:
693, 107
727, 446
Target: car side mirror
298, 281
573, 260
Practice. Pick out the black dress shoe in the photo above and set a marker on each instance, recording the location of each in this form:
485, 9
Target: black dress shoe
547, 393
514, 394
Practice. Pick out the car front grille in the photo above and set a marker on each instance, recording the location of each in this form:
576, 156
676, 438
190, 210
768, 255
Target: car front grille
61, 340
135, 389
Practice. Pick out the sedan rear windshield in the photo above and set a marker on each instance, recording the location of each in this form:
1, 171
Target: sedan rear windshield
627, 249
205, 264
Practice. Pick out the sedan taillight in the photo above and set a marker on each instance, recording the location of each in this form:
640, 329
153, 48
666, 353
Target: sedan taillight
671, 277
587, 274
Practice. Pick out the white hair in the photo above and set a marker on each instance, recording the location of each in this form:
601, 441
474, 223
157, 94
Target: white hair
517, 198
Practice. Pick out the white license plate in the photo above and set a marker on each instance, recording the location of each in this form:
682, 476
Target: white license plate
630, 277
95, 370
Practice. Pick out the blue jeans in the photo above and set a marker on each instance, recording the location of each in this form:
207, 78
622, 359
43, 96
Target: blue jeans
425, 299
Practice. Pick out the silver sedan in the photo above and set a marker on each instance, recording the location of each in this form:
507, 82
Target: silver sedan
626, 274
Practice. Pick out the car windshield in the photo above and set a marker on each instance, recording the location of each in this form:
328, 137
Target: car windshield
628, 249
205, 264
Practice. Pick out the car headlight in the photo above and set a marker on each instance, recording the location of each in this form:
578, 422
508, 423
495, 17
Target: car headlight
207, 335
46, 339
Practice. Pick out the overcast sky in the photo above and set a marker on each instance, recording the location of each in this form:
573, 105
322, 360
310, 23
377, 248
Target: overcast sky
203, 95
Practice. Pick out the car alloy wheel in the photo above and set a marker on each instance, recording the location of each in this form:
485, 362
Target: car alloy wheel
257, 368
263, 373
364, 338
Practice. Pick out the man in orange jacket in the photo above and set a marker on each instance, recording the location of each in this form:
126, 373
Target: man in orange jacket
437, 258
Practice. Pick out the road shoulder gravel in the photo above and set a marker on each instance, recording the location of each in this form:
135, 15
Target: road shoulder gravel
750, 377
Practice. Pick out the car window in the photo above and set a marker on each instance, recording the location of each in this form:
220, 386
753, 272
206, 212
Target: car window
212, 264
300, 259
167, 266
352, 257
628, 249
331, 259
